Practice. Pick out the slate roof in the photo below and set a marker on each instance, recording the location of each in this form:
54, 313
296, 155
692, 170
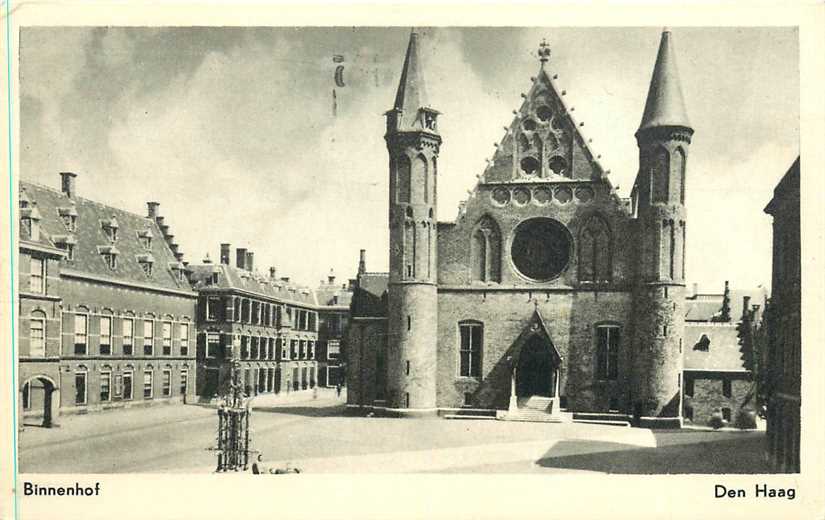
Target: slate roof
705, 306
370, 297
665, 105
411, 94
90, 239
723, 352
333, 295
234, 278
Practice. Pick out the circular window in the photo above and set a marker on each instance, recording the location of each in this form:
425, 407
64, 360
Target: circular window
564, 194
541, 249
529, 125
584, 194
501, 196
558, 165
530, 165
544, 113
542, 195
521, 196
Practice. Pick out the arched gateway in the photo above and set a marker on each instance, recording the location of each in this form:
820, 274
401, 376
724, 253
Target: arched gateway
535, 372
40, 402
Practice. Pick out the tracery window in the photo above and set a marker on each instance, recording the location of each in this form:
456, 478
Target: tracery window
486, 251
594, 251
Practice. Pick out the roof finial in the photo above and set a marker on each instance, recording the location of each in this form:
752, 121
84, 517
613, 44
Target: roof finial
544, 52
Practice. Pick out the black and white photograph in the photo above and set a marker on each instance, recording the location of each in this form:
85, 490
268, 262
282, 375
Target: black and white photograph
272, 253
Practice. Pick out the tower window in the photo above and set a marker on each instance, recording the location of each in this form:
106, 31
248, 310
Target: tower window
688, 387
607, 351
408, 367
726, 388
472, 342
409, 322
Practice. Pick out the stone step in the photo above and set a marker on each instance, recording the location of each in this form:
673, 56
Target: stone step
625, 424
538, 403
600, 416
470, 417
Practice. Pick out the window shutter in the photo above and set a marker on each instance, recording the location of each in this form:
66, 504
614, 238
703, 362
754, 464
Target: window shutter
229, 310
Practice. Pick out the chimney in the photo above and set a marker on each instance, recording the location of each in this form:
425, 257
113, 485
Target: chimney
67, 184
695, 289
240, 258
152, 209
362, 262
206, 259
331, 277
272, 273
225, 253
725, 316
746, 302
250, 256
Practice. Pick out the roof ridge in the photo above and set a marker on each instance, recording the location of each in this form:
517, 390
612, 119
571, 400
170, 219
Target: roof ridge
83, 199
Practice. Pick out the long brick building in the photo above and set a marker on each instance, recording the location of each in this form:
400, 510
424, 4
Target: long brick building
548, 291
106, 315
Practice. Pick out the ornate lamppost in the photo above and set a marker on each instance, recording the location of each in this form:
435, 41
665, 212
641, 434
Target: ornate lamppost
234, 434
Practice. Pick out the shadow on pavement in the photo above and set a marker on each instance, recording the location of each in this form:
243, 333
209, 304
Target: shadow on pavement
336, 410
742, 456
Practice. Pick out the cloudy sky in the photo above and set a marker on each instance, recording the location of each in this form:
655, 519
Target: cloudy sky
232, 129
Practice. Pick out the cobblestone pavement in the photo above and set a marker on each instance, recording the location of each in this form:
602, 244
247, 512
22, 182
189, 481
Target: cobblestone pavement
315, 436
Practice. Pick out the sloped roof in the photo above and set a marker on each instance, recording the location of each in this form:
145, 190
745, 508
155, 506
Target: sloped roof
89, 237
723, 352
707, 306
233, 278
332, 295
412, 93
665, 104
370, 296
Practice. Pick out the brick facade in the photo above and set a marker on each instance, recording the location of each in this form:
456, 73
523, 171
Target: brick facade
602, 276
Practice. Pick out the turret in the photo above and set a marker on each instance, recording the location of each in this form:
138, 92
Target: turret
663, 138
413, 144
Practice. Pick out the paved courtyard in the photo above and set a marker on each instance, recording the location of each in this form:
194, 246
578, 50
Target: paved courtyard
314, 435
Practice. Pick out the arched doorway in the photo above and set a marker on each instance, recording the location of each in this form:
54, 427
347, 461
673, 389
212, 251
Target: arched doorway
537, 369
39, 402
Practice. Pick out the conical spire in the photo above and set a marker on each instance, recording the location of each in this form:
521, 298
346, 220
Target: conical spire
412, 93
665, 105
411, 99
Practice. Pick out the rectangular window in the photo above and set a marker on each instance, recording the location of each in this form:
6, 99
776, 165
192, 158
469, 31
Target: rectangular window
333, 349
212, 304
37, 337
80, 331
607, 351
408, 367
284, 349
166, 387
147, 384
183, 333
213, 344
689, 387
311, 349
293, 349
105, 386
726, 414
36, 280
302, 349
148, 337
127, 386
105, 335
471, 347
27, 396
726, 388
167, 338
254, 348
80, 388
184, 381
128, 327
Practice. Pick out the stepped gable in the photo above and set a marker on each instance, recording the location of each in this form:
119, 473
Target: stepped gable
543, 142
90, 239
234, 278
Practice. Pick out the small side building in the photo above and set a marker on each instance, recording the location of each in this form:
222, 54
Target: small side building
718, 356
333, 319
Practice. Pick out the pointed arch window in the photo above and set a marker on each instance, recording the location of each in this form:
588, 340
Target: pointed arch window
595, 251
660, 175
679, 169
402, 163
470, 349
419, 180
486, 251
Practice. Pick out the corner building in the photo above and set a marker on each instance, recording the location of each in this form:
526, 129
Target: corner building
548, 287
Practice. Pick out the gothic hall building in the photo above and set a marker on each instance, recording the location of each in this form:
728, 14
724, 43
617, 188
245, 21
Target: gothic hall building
549, 294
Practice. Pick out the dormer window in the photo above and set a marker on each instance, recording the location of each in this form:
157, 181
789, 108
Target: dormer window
146, 262
145, 238
109, 254
110, 227
703, 344
68, 216
66, 243
29, 221
429, 118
